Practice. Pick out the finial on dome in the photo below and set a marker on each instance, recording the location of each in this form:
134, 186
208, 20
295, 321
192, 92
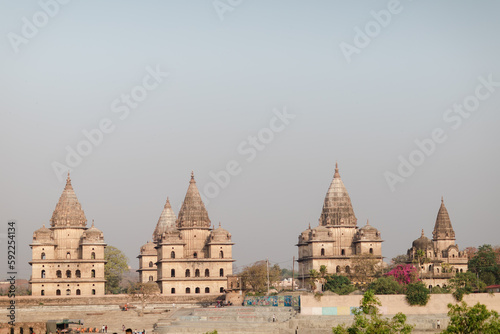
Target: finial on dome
422, 232
309, 225
92, 223
336, 171
43, 225
219, 224
368, 222
68, 178
442, 199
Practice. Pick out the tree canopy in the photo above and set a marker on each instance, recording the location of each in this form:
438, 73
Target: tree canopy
116, 265
475, 319
255, 276
339, 284
485, 264
386, 286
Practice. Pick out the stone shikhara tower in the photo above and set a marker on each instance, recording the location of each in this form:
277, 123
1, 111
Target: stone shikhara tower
192, 257
337, 241
68, 257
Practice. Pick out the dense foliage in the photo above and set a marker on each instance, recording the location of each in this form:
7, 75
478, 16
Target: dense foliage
255, 276
404, 273
116, 265
485, 263
367, 319
386, 286
465, 283
417, 294
476, 319
339, 284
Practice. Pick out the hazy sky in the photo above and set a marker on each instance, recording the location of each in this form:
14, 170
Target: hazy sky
274, 91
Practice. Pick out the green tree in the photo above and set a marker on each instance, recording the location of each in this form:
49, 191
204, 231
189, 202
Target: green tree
116, 265
386, 286
255, 275
367, 319
400, 259
476, 319
365, 267
144, 292
339, 284
417, 294
465, 283
484, 264
313, 277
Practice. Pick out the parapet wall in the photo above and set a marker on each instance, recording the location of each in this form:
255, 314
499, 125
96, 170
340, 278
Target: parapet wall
392, 304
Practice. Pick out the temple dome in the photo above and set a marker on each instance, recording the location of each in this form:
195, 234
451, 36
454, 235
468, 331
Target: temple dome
443, 228
43, 235
93, 234
68, 211
337, 207
165, 222
422, 243
193, 213
368, 232
220, 235
148, 249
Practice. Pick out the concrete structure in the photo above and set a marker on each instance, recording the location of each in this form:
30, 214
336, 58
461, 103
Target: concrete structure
438, 259
68, 257
191, 256
337, 242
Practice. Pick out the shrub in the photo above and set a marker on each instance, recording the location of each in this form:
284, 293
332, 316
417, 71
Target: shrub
339, 284
417, 294
386, 286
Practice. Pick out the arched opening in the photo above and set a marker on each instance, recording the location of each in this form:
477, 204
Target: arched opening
197, 273
195, 255
68, 292
322, 252
78, 292
188, 290
437, 270
172, 272
68, 255
207, 290
93, 291
92, 273
337, 270
461, 270
43, 274
12, 330
58, 292
43, 256
430, 267
342, 252
150, 278
58, 274
172, 290
348, 269
221, 272
188, 273
371, 250
221, 290
430, 287
68, 273
221, 254
197, 290
42, 292
150, 264
172, 255
207, 273
78, 273
31, 330
92, 256
21, 330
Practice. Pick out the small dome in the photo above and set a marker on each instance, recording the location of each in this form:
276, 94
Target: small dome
43, 234
423, 242
220, 234
320, 233
148, 249
93, 233
367, 232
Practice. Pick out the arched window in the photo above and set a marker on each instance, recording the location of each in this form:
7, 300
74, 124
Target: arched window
430, 267
197, 290
68, 273
43, 256
172, 290
43, 274
68, 255
347, 269
207, 290
93, 291
92, 273
371, 250
172, 272
58, 292
188, 273
322, 252
197, 273
342, 252
437, 270
92, 256
58, 274
151, 278
78, 292
461, 270
188, 290
231, 285
172, 255
207, 273
195, 255
221, 254
221, 272
221, 289
337, 270
42, 292
68, 292
150, 264
78, 273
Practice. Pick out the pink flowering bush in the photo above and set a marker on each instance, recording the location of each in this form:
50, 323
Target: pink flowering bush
404, 274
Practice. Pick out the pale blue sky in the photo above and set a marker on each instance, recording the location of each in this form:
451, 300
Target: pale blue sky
225, 79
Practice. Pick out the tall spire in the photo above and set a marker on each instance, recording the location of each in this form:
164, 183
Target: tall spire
193, 213
337, 207
443, 228
165, 222
68, 211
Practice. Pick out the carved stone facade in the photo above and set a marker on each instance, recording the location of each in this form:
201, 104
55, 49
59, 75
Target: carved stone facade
191, 256
68, 257
336, 242
438, 259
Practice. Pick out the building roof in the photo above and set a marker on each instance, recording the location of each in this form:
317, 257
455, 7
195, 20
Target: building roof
423, 242
337, 207
220, 235
93, 234
443, 228
68, 211
43, 235
193, 213
148, 249
165, 222
368, 232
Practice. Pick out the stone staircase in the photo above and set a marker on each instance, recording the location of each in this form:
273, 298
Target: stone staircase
234, 319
